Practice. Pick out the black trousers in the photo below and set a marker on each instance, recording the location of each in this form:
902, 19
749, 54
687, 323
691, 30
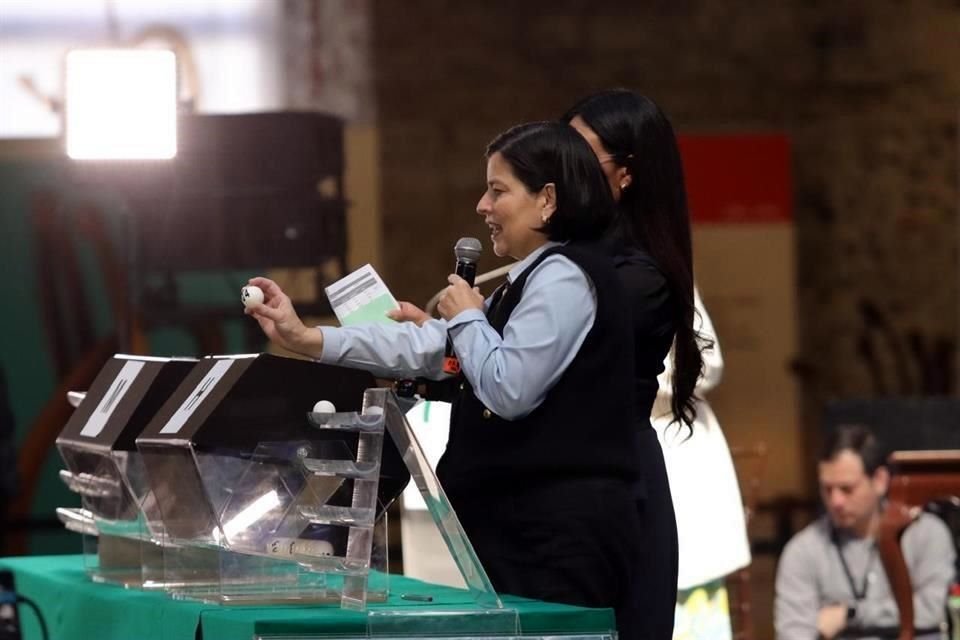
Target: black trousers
587, 542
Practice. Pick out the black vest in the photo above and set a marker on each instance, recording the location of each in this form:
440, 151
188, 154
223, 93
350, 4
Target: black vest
584, 427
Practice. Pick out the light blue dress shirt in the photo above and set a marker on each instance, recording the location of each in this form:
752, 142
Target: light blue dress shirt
510, 375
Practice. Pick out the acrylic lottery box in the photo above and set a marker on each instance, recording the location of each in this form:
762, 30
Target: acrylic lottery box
239, 462
118, 518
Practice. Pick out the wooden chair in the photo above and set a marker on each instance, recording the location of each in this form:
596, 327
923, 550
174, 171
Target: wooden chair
750, 463
919, 477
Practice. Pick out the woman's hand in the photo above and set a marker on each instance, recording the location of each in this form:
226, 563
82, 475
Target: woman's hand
280, 322
458, 297
409, 312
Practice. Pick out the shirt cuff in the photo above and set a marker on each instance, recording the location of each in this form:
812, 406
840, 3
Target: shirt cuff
332, 345
464, 317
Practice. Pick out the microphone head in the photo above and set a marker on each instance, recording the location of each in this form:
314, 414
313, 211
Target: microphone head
467, 250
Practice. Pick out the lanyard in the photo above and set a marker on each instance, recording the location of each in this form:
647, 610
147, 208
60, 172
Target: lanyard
861, 593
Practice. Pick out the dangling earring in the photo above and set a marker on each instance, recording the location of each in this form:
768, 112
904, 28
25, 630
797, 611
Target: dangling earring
624, 185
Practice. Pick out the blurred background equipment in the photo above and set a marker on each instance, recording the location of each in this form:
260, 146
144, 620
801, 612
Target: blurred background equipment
120, 104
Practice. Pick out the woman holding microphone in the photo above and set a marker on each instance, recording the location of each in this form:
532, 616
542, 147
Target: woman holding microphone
542, 462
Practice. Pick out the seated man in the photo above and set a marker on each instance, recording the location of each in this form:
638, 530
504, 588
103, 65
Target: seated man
830, 581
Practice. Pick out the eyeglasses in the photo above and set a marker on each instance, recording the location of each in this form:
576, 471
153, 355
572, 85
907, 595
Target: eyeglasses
612, 158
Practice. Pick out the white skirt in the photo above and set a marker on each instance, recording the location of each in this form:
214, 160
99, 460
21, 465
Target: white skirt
706, 497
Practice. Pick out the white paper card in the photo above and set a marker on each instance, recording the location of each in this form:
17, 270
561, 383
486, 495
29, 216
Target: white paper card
361, 297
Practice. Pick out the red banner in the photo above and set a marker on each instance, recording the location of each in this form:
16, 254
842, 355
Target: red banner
735, 179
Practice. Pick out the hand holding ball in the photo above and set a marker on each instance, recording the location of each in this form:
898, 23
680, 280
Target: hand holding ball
251, 296
266, 303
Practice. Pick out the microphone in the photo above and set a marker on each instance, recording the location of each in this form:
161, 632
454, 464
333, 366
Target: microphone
467, 251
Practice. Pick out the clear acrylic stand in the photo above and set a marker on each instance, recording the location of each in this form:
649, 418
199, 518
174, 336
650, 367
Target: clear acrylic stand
105, 470
293, 519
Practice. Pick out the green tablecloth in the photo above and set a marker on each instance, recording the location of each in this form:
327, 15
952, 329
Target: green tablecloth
74, 607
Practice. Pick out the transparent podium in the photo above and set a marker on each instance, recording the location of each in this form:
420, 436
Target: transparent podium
238, 492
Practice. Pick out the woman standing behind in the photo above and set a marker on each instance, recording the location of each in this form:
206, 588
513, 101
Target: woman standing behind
651, 245
638, 151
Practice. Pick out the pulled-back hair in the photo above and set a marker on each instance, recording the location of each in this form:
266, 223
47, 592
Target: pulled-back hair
552, 152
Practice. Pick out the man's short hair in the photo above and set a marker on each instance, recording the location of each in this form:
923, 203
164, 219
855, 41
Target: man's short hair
858, 439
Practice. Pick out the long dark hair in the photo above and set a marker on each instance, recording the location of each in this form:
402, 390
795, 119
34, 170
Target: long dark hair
653, 213
552, 152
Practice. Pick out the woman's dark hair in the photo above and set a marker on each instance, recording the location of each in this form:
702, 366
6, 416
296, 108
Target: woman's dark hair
552, 152
653, 213
857, 439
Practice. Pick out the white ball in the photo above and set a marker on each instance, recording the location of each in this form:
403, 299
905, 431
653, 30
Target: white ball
251, 295
320, 548
324, 406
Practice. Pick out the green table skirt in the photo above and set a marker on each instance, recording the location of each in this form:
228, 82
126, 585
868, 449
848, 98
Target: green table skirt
75, 608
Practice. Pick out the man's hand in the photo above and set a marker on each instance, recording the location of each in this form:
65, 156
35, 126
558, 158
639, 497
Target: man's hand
831, 620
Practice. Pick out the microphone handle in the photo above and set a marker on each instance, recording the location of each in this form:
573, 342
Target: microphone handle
451, 364
467, 271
